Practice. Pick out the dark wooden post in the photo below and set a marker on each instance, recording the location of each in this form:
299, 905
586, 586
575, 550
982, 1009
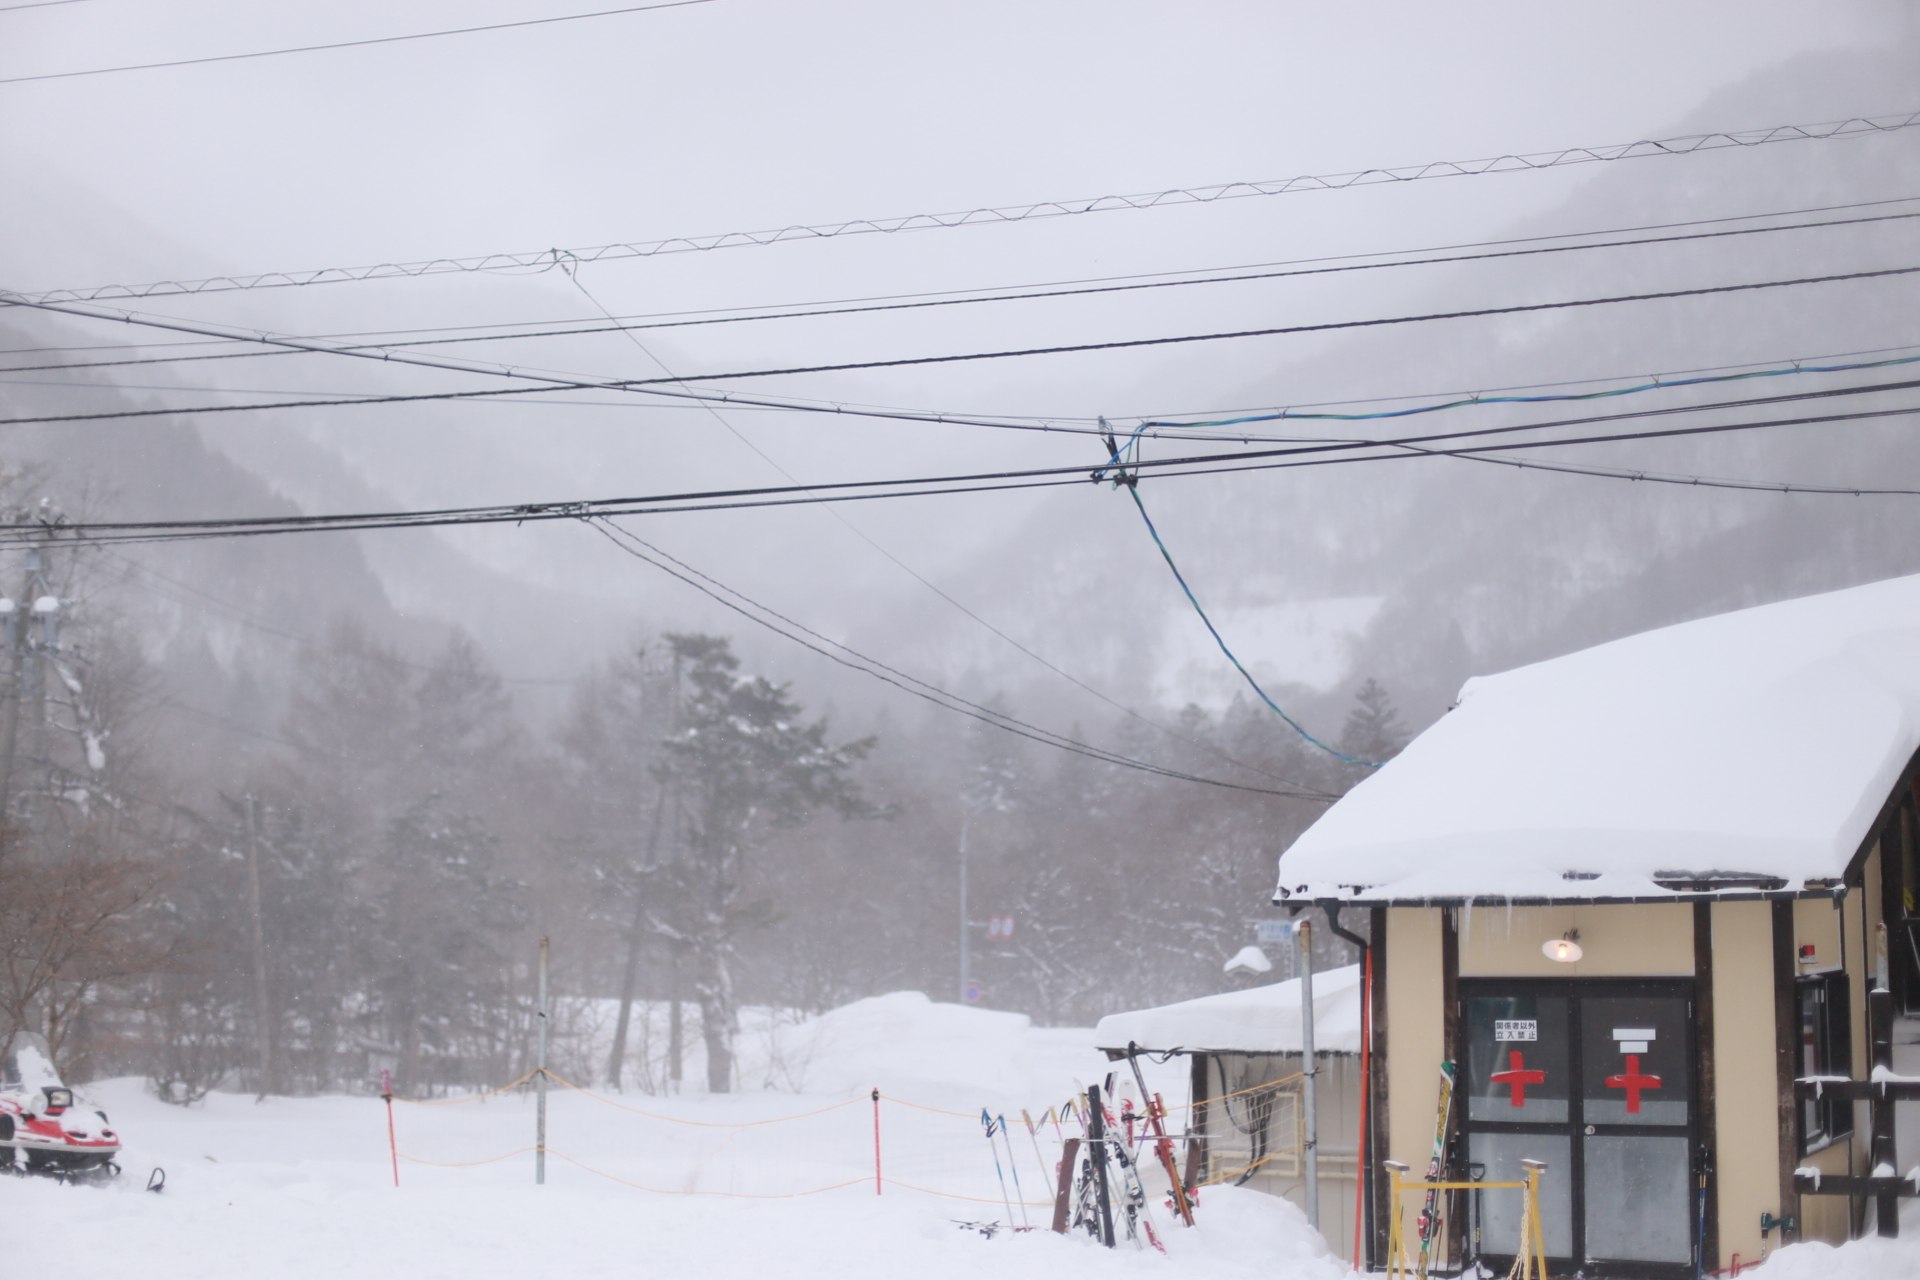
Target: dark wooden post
1703, 1049
1881, 1147
1786, 1055
1379, 1131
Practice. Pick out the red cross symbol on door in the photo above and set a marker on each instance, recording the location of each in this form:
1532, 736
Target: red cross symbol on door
1633, 1082
1519, 1077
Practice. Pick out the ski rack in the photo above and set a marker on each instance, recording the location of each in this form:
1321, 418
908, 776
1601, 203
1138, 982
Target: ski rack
1530, 1258
1880, 1091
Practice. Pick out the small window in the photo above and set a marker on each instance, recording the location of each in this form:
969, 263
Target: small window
1826, 1049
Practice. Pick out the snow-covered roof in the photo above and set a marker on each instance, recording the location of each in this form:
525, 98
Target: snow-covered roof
1748, 751
1257, 1020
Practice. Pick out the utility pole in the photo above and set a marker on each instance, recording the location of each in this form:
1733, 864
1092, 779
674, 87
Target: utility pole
540, 1087
966, 946
1309, 1066
26, 656
262, 1018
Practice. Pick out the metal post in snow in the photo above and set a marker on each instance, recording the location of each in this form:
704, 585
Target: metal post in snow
540, 1086
876, 1140
1303, 963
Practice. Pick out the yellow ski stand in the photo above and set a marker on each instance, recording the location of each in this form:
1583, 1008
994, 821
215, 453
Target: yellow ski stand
1530, 1257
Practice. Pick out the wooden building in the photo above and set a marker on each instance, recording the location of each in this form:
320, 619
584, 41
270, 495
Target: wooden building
1635, 893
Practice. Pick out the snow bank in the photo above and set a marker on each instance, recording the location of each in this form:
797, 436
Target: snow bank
301, 1188
1258, 1020
1761, 742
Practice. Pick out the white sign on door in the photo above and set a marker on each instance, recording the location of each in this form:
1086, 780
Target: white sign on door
1516, 1029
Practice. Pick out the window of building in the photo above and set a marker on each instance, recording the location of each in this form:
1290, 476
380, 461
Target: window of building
1826, 1049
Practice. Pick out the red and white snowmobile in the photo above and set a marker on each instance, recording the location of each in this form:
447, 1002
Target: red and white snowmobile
44, 1129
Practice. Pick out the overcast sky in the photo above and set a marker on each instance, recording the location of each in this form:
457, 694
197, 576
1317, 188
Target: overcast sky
744, 115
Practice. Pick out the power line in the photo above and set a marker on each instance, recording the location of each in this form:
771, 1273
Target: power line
347, 44
1050, 284
1133, 491
39, 4
616, 325
1301, 455
908, 569
910, 684
548, 259
653, 385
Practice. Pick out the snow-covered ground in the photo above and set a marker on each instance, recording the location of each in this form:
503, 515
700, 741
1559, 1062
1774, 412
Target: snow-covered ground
297, 1187
293, 1188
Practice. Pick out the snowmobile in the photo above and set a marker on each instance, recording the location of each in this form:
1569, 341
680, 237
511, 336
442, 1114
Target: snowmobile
44, 1128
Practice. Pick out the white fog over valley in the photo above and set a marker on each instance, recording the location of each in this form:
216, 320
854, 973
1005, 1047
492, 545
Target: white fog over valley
324, 792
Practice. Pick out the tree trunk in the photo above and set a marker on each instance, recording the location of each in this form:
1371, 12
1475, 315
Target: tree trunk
719, 1020
616, 1060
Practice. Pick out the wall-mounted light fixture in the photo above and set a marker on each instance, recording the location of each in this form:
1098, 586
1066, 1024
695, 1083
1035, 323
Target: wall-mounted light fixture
1565, 949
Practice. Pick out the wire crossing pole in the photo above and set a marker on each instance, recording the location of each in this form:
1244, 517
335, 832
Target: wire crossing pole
1303, 957
540, 1108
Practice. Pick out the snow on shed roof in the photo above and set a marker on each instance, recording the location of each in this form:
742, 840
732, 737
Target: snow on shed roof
1749, 750
1257, 1020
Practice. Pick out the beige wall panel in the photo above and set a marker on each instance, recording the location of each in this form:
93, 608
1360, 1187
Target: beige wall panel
1747, 1134
1617, 941
1817, 922
1821, 1217
1415, 1033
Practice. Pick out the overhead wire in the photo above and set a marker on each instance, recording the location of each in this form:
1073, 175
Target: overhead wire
617, 325
349, 44
1304, 454
923, 580
854, 660
659, 385
549, 259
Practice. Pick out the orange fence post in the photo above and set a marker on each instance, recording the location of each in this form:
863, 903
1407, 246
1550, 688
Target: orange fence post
393, 1145
876, 1140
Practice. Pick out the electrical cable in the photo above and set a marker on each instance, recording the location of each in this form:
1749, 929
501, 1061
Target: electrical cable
1133, 491
922, 689
588, 329
916, 575
985, 482
350, 44
39, 4
548, 259
943, 293
652, 385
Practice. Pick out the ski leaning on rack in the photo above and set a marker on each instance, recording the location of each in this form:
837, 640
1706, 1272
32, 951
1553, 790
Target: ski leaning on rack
1429, 1220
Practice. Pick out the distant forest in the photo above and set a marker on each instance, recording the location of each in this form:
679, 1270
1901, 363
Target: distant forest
363, 886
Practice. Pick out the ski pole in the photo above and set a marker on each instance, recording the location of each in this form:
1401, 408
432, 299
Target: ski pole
986, 1122
1034, 1137
1015, 1166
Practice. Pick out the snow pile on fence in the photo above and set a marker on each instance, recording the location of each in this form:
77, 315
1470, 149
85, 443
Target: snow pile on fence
301, 1188
1753, 745
1262, 1019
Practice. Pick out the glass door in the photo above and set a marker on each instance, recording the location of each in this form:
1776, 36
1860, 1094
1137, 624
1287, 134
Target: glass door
1594, 1078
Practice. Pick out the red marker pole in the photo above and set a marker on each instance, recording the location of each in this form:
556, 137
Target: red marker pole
386, 1092
876, 1140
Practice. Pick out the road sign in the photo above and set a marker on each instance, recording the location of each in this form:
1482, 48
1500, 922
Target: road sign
1273, 930
972, 994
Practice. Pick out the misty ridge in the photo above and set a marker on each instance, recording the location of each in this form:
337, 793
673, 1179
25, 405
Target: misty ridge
323, 793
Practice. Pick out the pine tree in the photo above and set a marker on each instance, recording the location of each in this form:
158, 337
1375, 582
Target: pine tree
1373, 730
741, 761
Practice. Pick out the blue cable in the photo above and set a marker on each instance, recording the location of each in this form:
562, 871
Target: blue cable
1133, 491
1546, 399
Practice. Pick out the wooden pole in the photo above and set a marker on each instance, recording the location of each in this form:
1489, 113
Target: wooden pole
262, 1018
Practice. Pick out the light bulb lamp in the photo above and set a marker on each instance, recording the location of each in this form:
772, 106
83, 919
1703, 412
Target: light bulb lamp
1564, 949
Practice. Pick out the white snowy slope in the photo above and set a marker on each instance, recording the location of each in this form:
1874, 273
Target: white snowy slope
1756, 743
302, 1188
1262, 1019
